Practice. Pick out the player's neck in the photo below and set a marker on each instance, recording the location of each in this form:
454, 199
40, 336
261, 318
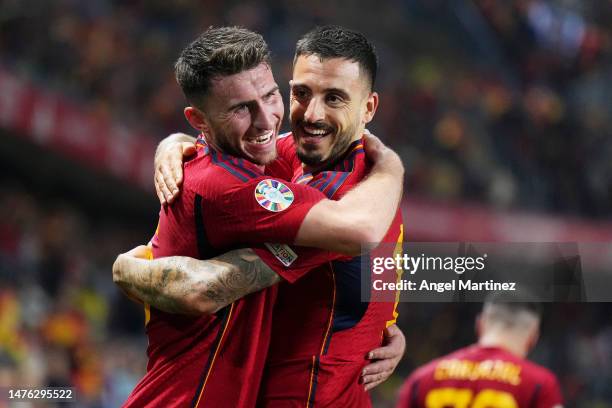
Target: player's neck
511, 342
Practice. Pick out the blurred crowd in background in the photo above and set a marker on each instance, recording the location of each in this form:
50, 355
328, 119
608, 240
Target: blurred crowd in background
506, 104
62, 321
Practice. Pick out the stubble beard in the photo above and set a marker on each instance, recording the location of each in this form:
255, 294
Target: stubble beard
315, 160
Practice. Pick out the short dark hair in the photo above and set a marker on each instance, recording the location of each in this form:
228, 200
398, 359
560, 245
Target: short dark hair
218, 51
332, 41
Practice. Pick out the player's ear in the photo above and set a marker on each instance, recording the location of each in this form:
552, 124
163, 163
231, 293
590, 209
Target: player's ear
370, 107
196, 119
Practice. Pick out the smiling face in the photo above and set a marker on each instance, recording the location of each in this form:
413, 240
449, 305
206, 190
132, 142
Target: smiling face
330, 104
242, 114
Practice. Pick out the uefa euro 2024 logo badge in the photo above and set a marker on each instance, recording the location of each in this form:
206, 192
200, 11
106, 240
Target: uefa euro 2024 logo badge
273, 195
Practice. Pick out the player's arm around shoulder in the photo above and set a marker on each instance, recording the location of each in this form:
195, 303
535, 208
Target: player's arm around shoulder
190, 286
365, 213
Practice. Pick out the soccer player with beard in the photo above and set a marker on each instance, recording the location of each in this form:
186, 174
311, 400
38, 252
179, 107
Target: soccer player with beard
322, 331
492, 373
229, 200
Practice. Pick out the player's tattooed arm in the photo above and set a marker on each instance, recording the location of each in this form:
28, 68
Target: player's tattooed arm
190, 286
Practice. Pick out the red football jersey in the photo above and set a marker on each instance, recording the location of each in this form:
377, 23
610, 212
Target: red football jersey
322, 331
217, 360
479, 376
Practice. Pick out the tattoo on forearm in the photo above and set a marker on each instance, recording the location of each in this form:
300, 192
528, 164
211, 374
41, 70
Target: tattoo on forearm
188, 286
244, 273
161, 283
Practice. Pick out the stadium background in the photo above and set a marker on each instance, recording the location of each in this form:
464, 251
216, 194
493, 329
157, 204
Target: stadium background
500, 110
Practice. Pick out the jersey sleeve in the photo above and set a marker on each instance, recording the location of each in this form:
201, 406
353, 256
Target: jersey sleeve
293, 262
261, 210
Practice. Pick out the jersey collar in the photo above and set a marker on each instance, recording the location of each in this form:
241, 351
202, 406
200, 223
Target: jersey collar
236, 161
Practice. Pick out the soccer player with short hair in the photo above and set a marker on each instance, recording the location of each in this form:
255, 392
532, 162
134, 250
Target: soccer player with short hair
231, 199
493, 372
322, 330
